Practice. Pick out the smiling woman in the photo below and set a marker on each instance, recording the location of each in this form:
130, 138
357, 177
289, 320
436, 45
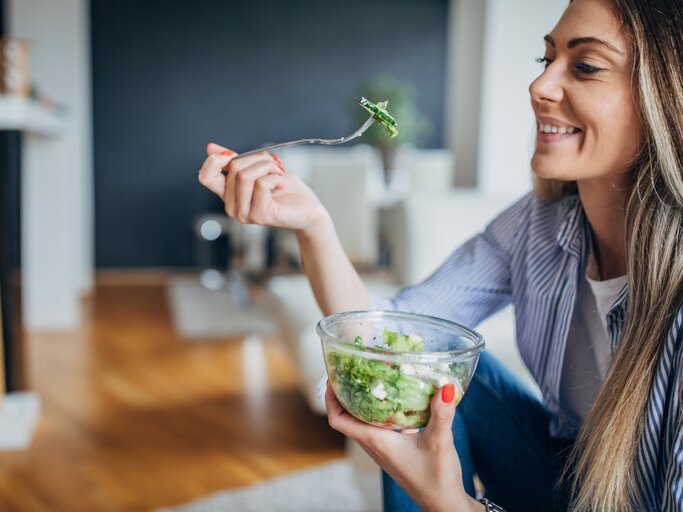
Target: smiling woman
592, 261
586, 88
624, 90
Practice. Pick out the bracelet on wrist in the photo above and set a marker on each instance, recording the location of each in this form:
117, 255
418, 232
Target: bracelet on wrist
490, 506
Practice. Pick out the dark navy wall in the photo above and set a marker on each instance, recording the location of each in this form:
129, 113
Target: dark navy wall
171, 75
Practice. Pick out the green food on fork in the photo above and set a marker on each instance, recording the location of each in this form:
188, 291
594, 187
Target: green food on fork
378, 113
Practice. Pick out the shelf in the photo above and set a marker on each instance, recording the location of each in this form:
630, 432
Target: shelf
23, 115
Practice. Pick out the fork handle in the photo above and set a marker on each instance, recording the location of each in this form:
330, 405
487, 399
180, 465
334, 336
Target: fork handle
279, 146
327, 142
224, 172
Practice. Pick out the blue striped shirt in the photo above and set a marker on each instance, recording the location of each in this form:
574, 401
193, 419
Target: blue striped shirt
533, 255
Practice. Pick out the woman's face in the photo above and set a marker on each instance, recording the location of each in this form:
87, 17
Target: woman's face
585, 99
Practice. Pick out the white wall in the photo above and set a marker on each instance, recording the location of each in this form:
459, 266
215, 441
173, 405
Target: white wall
57, 210
513, 38
463, 86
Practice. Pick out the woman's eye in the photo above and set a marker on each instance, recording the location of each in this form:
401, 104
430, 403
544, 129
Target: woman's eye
586, 69
544, 60
581, 68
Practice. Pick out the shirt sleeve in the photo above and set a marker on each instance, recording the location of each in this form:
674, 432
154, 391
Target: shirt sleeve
474, 282
673, 493
672, 499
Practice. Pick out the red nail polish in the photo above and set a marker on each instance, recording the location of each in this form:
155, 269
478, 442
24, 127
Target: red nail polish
278, 162
227, 152
448, 393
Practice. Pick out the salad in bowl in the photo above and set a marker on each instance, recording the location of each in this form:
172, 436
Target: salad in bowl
385, 366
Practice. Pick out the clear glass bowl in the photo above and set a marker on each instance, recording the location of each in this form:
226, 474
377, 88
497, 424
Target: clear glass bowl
393, 388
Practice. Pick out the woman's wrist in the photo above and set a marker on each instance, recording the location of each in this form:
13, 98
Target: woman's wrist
469, 504
319, 228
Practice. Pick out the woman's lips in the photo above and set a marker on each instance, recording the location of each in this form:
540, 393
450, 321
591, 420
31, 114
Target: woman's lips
550, 129
555, 137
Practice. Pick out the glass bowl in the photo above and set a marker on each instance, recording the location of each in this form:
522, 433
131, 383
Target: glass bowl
385, 366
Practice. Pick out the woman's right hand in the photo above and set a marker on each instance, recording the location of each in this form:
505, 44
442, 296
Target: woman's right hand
257, 190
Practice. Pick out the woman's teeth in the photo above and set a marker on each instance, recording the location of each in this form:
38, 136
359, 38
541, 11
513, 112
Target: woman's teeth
548, 128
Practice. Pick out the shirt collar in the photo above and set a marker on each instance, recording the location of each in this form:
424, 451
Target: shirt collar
571, 237
571, 233
621, 300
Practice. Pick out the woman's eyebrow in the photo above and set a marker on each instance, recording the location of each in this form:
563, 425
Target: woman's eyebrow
584, 40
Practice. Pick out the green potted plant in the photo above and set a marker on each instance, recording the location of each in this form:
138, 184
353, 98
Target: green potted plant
402, 106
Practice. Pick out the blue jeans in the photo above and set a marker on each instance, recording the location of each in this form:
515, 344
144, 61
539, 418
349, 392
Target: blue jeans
501, 434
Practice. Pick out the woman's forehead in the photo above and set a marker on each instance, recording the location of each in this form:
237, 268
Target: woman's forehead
590, 18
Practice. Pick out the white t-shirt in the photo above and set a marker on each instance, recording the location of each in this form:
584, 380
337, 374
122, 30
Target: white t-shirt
588, 354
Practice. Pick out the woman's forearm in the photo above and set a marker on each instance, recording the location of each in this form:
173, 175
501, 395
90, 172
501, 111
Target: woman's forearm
335, 282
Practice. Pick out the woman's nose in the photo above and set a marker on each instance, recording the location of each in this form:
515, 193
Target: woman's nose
548, 86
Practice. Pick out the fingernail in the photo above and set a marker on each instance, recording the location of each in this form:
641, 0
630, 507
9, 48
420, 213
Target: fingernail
448, 393
278, 162
227, 152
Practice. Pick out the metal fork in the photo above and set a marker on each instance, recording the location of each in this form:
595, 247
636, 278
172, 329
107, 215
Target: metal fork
327, 142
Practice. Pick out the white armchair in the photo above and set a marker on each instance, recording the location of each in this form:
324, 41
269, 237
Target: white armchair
427, 169
346, 180
425, 228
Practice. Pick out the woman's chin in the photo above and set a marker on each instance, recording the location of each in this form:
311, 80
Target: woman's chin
549, 175
547, 169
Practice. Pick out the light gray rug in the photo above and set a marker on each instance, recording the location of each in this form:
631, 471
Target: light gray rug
331, 487
201, 313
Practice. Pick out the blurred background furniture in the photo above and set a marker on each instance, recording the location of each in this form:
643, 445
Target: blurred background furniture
359, 211
355, 170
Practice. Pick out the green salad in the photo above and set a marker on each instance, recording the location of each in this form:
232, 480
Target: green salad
392, 394
379, 112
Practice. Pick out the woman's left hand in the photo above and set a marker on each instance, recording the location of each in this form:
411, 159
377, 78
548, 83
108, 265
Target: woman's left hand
424, 464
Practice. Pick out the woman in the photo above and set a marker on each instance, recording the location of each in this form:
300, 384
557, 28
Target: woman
592, 262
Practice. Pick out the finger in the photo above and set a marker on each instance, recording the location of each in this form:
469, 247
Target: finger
245, 182
263, 193
233, 170
243, 163
440, 423
340, 420
334, 408
278, 162
210, 174
230, 194
212, 148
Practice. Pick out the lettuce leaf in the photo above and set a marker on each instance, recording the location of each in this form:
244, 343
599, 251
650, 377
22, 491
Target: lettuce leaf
378, 391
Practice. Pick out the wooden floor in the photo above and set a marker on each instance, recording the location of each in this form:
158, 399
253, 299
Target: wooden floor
135, 418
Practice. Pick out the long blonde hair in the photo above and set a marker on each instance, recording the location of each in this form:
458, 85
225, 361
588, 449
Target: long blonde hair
602, 463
